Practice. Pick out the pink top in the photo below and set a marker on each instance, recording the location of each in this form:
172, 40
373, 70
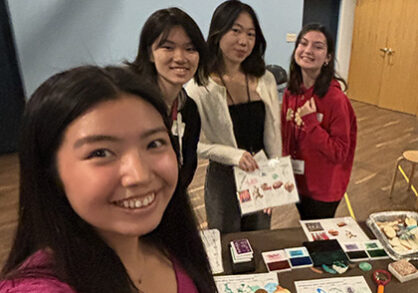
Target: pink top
42, 260
184, 283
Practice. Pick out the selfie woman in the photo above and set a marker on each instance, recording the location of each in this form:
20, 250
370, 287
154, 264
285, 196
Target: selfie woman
100, 207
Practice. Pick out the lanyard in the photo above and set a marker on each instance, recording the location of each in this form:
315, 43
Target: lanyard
174, 109
178, 126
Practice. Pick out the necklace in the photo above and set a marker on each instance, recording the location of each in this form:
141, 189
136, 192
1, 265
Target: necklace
137, 282
139, 290
228, 94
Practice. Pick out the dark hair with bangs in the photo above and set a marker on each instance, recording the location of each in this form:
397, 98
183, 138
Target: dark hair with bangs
159, 24
46, 220
327, 73
222, 21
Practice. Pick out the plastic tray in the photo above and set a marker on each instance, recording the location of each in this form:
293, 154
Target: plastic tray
391, 216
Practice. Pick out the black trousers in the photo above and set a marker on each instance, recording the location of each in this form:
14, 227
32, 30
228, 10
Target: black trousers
221, 203
310, 209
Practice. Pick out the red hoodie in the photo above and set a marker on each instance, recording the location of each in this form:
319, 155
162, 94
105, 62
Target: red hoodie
326, 142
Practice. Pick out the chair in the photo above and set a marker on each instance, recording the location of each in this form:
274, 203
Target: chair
280, 76
279, 73
411, 157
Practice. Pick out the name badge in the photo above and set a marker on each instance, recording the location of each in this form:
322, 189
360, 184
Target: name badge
174, 129
319, 116
178, 126
298, 166
181, 128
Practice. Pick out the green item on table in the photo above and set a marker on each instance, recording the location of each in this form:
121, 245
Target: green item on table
328, 269
339, 267
365, 266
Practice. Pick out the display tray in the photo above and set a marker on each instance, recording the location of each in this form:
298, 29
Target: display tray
391, 216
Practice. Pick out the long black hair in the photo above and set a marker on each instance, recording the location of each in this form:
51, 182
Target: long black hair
46, 219
327, 73
222, 21
159, 24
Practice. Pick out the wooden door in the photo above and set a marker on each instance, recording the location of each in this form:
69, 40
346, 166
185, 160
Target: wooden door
381, 78
399, 86
367, 61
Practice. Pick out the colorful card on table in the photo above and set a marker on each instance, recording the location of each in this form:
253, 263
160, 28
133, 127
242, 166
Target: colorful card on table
236, 259
242, 248
375, 249
248, 283
355, 251
212, 242
344, 229
276, 260
299, 257
347, 284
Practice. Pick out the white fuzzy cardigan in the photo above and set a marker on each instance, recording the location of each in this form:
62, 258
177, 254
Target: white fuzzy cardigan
217, 126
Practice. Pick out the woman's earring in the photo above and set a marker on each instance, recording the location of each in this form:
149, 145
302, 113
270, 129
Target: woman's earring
325, 64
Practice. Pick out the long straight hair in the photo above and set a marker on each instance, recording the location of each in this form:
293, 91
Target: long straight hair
222, 21
46, 219
327, 73
159, 24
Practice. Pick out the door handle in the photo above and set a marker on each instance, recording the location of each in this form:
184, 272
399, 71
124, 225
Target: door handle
384, 50
390, 51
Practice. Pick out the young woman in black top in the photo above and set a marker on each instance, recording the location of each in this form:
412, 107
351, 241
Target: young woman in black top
239, 109
172, 51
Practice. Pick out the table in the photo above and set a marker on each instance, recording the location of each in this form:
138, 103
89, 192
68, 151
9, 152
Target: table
267, 240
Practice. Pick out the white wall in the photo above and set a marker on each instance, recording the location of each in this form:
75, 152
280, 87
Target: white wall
344, 37
53, 35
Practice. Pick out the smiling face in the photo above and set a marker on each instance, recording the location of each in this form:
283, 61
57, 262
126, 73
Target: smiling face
118, 167
176, 59
237, 44
312, 52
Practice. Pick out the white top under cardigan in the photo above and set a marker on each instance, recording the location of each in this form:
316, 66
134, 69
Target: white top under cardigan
217, 126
